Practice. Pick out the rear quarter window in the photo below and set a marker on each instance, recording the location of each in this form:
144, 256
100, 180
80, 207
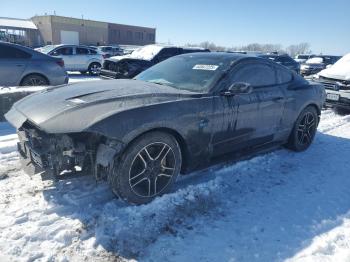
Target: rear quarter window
283, 76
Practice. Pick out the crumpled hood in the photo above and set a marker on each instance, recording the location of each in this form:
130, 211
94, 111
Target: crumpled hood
99, 98
118, 58
341, 72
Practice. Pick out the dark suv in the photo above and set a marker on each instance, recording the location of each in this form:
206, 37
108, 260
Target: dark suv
284, 60
318, 63
128, 66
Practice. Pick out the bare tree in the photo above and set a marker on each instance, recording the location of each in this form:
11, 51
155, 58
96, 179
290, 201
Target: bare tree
292, 50
302, 48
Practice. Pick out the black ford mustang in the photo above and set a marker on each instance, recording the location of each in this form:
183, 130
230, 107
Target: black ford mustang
174, 117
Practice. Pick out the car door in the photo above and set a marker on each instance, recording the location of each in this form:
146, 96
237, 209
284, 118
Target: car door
249, 119
13, 62
82, 57
67, 54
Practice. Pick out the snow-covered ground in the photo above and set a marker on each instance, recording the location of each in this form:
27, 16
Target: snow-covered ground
74, 77
274, 207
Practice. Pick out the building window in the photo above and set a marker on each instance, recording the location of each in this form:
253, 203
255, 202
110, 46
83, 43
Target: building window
129, 35
116, 33
151, 37
139, 35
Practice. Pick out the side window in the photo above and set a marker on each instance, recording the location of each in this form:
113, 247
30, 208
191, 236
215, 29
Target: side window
82, 51
93, 52
133, 66
13, 53
167, 53
123, 68
254, 74
284, 59
283, 75
63, 51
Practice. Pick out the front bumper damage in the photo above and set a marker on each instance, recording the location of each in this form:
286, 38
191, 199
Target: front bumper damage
62, 156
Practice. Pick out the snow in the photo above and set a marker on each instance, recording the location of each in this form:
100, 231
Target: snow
314, 60
74, 77
340, 70
279, 206
16, 23
145, 53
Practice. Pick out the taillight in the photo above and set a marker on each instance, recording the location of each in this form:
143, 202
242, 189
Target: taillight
60, 63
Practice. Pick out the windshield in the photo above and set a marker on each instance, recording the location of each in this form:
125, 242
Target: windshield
47, 49
189, 72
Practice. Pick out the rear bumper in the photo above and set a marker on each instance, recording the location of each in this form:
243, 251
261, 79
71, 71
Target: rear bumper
59, 80
342, 102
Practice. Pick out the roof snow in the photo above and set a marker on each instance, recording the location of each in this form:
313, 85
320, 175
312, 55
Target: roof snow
16, 23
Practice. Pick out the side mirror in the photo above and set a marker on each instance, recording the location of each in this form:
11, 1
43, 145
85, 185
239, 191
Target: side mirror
238, 88
328, 66
55, 53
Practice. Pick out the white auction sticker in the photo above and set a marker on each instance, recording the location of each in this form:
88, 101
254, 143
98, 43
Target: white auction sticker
206, 67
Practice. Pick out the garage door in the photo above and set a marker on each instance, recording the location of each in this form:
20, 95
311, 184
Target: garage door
70, 37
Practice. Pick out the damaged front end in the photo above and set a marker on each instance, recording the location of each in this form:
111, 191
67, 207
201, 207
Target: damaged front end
66, 155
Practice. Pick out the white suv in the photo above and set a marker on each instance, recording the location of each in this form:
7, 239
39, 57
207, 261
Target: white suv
77, 58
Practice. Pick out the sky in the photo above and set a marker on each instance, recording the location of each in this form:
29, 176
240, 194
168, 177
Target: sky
324, 24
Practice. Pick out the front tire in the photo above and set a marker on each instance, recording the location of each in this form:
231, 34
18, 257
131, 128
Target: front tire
148, 168
94, 68
304, 130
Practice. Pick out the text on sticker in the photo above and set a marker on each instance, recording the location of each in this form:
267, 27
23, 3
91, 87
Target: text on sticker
206, 67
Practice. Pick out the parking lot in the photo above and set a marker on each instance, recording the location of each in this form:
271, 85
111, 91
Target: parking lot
276, 206
174, 131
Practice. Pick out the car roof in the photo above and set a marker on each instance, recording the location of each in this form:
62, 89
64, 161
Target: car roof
222, 55
68, 45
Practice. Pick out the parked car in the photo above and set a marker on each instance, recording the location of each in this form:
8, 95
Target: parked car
77, 57
336, 80
110, 51
176, 116
128, 66
22, 66
284, 60
317, 64
301, 58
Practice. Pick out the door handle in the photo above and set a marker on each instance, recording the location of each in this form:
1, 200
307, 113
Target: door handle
19, 65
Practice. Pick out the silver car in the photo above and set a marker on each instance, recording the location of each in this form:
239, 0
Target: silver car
77, 58
22, 66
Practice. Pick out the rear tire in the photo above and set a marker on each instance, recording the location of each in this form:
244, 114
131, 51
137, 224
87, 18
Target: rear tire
304, 130
94, 68
148, 168
34, 80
